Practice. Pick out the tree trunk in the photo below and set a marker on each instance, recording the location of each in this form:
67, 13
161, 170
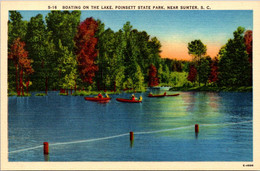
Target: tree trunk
21, 82
16, 78
27, 86
98, 85
46, 85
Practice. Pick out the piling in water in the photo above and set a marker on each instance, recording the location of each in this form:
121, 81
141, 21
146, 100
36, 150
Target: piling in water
196, 128
46, 148
131, 136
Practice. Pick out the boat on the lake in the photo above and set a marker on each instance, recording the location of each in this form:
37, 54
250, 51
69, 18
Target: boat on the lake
129, 100
162, 95
98, 99
156, 95
172, 94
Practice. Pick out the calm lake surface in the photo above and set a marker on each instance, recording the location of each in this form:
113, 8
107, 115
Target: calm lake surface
79, 130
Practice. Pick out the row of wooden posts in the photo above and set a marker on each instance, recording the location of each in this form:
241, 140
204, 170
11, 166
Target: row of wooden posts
46, 144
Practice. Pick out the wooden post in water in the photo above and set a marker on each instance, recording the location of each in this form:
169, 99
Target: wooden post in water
131, 136
197, 128
46, 148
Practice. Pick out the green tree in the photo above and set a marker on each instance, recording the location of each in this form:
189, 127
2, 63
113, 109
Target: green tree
16, 26
197, 49
166, 75
35, 39
234, 66
160, 73
138, 78
203, 70
66, 67
61, 27
106, 58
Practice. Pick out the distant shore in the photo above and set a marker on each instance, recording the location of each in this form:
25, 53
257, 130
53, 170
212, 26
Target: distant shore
214, 89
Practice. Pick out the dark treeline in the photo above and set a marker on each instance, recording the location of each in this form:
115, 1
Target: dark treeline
60, 52
232, 67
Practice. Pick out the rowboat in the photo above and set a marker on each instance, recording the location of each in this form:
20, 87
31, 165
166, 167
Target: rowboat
128, 100
96, 99
173, 95
158, 95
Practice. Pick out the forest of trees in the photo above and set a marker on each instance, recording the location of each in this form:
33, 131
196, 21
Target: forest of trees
60, 52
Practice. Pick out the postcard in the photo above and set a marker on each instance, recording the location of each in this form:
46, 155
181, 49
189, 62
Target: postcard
121, 85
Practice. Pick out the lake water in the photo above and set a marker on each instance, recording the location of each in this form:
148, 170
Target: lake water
79, 130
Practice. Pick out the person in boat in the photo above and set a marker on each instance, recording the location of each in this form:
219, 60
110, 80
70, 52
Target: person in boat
133, 97
140, 98
107, 96
100, 95
164, 93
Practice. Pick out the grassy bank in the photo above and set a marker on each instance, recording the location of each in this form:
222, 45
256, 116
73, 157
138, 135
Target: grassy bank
214, 89
15, 94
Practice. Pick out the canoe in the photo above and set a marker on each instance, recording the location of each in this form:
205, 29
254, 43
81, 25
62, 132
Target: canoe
173, 95
104, 99
160, 95
128, 100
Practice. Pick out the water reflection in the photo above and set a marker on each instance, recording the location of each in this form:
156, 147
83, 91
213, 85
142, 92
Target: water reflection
131, 143
54, 118
46, 157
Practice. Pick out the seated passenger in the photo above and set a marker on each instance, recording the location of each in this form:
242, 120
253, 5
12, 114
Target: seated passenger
133, 97
100, 95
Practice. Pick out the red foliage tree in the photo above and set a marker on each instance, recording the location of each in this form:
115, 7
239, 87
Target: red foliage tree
214, 71
86, 52
248, 37
22, 64
192, 74
153, 79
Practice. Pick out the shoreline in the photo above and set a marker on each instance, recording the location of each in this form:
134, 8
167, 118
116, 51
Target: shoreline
183, 89
214, 89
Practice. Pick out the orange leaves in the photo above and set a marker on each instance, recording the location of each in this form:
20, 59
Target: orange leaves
20, 56
86, 52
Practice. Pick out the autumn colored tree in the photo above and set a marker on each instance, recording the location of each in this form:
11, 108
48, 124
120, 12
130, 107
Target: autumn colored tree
248, 38
19, 56
192, 74
153, 79
86, 52
16, 28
